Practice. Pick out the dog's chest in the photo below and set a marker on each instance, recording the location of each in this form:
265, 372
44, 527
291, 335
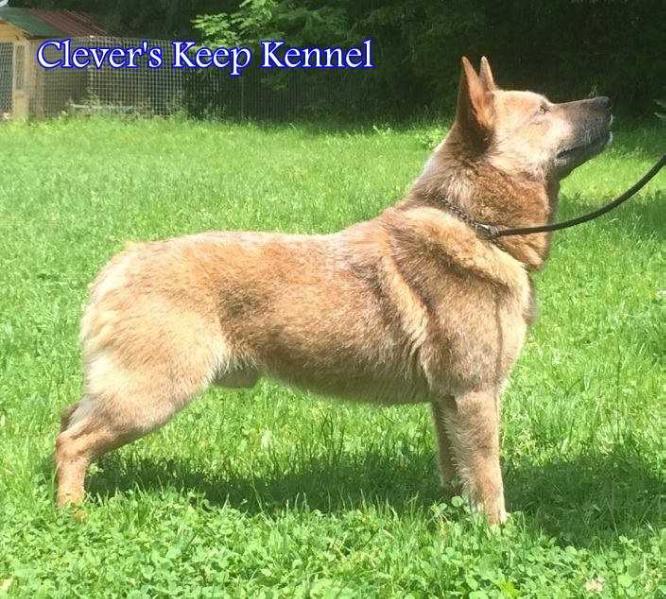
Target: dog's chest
474, 333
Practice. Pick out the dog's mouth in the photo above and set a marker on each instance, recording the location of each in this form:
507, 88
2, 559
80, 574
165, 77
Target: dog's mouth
591, 146
571, 157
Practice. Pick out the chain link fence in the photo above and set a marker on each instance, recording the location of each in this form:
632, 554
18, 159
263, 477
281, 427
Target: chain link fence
6, 78
27, 89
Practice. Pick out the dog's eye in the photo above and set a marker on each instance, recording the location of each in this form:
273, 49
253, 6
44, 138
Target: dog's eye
543, 109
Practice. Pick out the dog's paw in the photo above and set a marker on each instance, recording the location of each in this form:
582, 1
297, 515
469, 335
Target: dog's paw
498, 518
495, 515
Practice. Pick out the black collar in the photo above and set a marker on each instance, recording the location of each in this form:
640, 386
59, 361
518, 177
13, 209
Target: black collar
493, 232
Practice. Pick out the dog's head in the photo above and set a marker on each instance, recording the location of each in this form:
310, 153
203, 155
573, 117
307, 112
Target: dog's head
523, 132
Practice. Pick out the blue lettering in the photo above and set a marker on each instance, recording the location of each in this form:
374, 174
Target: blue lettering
241, 58
180, 58
155, 58
270, 60
221, 58
203, 57
294, 53
353, 53
41, 59
117, 58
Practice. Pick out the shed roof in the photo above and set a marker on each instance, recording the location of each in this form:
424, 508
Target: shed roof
50, 23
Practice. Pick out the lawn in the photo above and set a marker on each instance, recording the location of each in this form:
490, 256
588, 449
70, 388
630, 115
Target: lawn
273, 492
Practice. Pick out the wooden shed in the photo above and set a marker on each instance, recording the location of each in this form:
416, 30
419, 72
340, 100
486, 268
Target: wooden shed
21, 30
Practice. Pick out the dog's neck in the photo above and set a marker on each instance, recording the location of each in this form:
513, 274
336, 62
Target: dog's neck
456, 180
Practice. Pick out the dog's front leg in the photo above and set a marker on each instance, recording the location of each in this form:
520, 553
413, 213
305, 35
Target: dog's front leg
447, 469
471, 424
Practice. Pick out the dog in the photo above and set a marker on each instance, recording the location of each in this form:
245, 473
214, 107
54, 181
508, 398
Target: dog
412, 306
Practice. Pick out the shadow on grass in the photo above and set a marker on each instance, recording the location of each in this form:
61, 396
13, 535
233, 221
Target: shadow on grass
631, 219
321, 484
587, 501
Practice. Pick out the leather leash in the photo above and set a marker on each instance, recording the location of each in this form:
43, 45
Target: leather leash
492, 232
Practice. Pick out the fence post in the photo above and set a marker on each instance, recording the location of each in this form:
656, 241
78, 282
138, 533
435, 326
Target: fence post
22, 80
242, 94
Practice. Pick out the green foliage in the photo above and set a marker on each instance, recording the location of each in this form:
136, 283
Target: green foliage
272, 492
567, 49
243, 26
274, 19
661, 113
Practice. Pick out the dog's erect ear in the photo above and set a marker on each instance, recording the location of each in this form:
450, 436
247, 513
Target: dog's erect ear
475, 112
486, 75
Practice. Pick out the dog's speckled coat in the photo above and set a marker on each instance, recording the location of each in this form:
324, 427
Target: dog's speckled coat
410, 306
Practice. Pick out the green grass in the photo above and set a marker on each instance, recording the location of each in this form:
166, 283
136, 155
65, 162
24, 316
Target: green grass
270, 491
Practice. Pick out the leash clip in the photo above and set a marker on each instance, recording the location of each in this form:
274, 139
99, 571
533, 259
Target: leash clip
489, 232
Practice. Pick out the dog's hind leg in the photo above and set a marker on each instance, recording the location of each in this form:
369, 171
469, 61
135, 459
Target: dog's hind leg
105, 421
101, 423
84, 434
125, 402
472, 423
